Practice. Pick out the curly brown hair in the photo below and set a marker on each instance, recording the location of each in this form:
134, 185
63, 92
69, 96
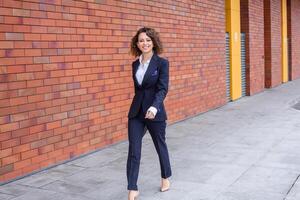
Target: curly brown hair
150, 32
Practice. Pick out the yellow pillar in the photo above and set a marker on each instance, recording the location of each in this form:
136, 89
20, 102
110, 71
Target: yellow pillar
233, 28
284, 40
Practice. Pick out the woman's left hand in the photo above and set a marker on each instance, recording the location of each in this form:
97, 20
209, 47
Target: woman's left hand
149, 115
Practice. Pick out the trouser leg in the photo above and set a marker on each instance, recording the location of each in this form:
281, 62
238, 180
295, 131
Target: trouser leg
157, 131
135, 135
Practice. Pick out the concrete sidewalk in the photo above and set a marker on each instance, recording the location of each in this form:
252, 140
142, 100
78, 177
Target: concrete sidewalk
246, 150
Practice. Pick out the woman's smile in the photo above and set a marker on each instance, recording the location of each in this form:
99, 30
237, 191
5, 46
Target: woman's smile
144, 43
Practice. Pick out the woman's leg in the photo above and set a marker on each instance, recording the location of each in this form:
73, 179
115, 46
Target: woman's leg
157, 130
135, 135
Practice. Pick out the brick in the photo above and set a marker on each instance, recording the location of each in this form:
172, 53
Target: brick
28, 123
25, 76
18, 101
9, 127
60, 116
49, 52
42, 59
26, 107
48, 37
47, 162
40, 158
30, 168
46, 134
26, 92
5, 119
6, 44
82, 145
59, 73
6, 11
32, 36
35, 98
13, 20
23, 60
75, 140
6, 28
22, 164
11, 175
29, 154
46, 149
14, 36
36, 113
34, 83
53, 110
21, 29
8, 110
16, 69
38, 29
5, 153
7, 61
38, 143
38, 74
69, 135
43, 104
12, 4
54, 139
21, 12
32, 21
33, 52
22, 44
19, 116
21, 148
14, 52
68, 16
17, 85
4, 103
31, 5
10, 159
20, 132
37, 128
56, 153
62, 158
6, 169
53, 125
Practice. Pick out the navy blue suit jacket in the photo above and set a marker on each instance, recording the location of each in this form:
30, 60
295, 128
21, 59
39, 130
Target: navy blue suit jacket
153, 89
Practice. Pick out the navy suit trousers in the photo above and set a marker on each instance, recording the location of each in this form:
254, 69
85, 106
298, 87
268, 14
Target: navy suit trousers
136, 130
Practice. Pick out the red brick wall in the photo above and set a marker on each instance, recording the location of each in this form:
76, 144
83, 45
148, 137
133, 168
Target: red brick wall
289, 37
272, 37
253, 26
294, 33
65, 84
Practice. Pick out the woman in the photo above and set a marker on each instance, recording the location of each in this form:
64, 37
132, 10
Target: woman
151, 77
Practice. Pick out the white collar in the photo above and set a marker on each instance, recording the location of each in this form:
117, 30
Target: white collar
141, 58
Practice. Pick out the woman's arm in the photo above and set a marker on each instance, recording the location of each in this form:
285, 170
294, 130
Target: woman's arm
162, 84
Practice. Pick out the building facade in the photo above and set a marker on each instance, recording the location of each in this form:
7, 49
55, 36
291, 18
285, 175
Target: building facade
65, 68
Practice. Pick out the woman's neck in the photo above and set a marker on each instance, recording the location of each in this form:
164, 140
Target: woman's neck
146, 56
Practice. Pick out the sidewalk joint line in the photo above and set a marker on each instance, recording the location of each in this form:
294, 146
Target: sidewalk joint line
291, 187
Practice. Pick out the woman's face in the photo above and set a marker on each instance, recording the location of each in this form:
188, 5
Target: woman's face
144, 43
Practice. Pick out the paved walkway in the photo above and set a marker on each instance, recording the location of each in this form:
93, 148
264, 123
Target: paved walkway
246, 150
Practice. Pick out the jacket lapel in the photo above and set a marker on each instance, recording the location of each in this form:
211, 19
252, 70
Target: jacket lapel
151, 68
135, 68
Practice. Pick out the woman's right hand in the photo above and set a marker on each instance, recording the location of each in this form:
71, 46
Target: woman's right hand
149, 115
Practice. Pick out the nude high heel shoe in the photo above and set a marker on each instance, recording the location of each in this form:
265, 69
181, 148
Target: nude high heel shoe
165, 185
133, 194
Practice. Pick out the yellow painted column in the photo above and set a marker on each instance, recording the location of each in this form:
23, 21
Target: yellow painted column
284, 39
233, 27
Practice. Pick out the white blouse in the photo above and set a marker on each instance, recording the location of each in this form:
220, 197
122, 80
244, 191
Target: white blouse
140, 73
